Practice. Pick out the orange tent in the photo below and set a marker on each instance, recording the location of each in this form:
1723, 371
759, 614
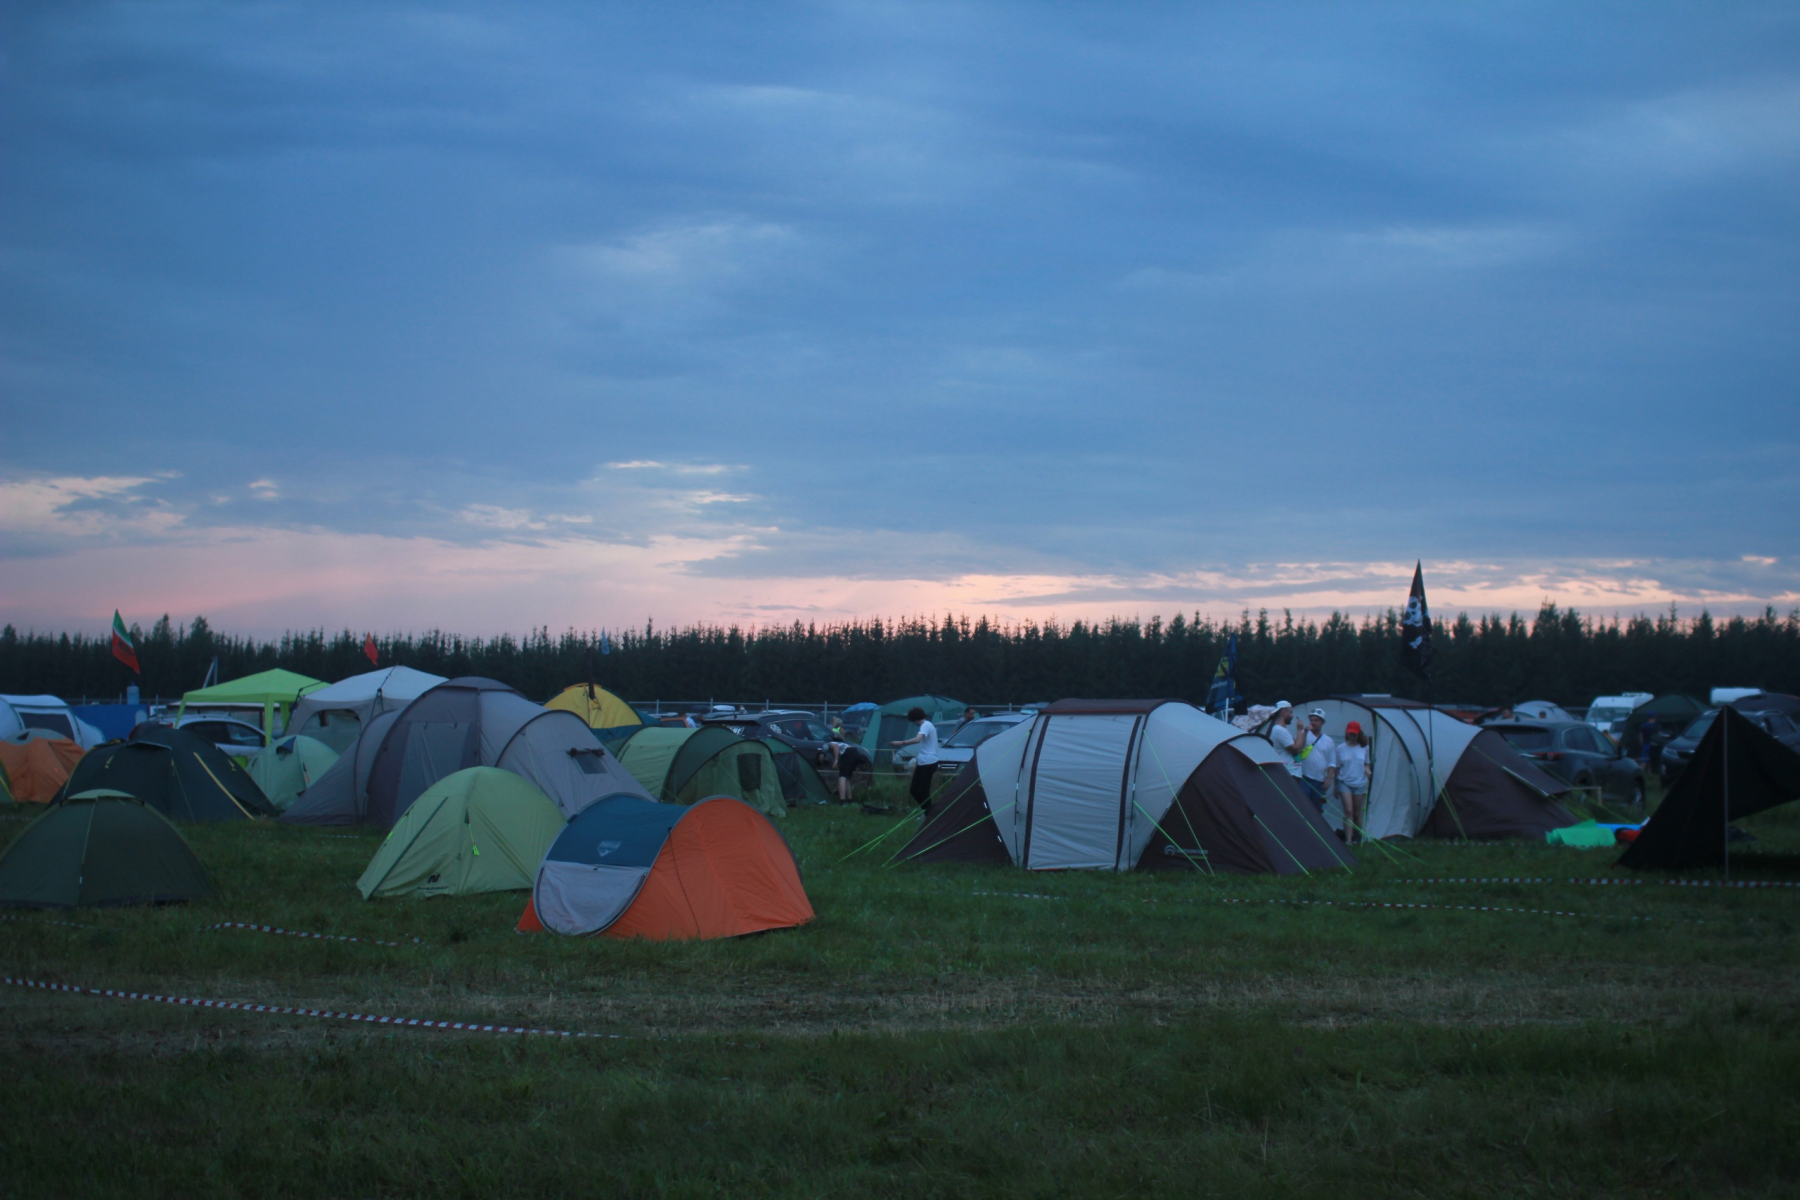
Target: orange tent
629, 868
38, 767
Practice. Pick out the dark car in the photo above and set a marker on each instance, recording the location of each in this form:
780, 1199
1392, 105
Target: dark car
1679, 749
1579, 755
801, 730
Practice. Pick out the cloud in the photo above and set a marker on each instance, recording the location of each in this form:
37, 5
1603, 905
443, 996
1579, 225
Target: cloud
45, 512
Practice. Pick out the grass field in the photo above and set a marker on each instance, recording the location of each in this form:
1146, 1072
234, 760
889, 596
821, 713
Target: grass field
936, 1031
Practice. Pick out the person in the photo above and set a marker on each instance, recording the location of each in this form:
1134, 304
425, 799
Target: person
1317, 758
846, 760
969, 714
925, 766
1282, 734
1353, 780
1647, 735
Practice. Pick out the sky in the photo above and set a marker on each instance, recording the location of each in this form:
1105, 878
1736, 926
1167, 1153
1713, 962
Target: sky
489, 317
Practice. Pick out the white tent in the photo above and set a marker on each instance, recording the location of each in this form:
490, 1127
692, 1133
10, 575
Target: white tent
1121, 785
337, 714
48, 713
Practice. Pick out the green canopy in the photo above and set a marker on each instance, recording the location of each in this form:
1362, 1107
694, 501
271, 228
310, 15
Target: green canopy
685, 766
289, 767
272, 691
100, 847
478, 830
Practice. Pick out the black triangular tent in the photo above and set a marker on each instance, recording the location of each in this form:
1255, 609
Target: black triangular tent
180, 775
1239, 817
1737, 771
100, 848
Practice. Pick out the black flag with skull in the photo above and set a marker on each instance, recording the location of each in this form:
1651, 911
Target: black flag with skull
1415, 629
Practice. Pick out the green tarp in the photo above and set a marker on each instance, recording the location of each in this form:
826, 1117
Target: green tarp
100, 847
478, 830
1586, 836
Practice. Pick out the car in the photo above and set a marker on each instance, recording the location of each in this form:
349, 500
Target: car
1579, 755
798, 728
959, 748
239, 738
1679, 749
1609, 713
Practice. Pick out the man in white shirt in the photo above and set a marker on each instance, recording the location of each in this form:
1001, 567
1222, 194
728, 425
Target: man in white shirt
1282, 734
925, 766
1318, 760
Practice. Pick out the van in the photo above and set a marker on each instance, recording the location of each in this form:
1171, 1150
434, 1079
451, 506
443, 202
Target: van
1608, 714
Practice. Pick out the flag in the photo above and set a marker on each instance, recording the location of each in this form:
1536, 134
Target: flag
605, 643
1224, 684
122, 648
1415, 628
370, 651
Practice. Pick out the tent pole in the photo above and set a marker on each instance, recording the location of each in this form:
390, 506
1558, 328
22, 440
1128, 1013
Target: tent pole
1725, 750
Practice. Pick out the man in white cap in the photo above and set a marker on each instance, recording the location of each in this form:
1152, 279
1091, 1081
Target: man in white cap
1282, 734
1318, 761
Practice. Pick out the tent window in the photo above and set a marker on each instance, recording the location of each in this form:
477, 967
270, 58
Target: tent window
587, 760
749, 772
54, 722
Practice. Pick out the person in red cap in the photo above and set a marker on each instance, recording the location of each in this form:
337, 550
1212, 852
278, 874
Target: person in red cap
1353, 774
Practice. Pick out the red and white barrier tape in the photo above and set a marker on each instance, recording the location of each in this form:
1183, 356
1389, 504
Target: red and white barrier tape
296, 1011
297, 933
1542, 912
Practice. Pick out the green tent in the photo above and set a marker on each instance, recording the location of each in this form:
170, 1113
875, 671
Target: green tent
889, 724
1674, 712
175, 772
685, 766
100, 847
478, 830
272, 691
800, 780
289, 767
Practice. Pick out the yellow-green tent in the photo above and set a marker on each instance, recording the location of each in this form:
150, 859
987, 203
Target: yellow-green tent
685, 766
597, 706
272, 691
477, 830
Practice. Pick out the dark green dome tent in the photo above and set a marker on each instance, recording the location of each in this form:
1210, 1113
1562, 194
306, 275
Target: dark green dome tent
180, 775
801, 782
685, 766
100, 847
888, 724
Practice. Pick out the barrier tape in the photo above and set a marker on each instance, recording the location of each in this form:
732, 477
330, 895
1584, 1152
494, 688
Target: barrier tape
298, 933
1720, 883
1542, 912
296, 1011
48, 921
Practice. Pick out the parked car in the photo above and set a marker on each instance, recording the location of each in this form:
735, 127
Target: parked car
957, 749
1679, 749
1609, 713
1579, 755
801, 730
239, 738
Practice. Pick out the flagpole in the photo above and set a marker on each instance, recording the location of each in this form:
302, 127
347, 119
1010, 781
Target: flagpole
1725, 749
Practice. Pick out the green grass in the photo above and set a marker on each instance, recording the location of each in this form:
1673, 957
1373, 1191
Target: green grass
1136, 1034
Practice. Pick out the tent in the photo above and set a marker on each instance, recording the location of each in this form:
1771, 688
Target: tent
800, 781
20, 712
596, 706
681, 766
337, 713
468, 722
288, 767
38, 766
1738, 770
175, 772
100, 847
888, 724
6, 793
479, 830
1128, 784
1436, 776
1674, 712
275, 692
628, 868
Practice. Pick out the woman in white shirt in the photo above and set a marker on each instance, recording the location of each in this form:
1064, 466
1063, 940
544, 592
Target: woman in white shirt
1353, 779
925, 766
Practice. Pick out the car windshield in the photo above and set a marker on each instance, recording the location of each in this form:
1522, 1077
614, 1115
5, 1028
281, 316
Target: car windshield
1527, 739
975, 733
815, 731
1607, 713
1701, 724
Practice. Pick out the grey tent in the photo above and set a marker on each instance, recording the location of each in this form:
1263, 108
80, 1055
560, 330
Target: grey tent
1128, 784
338, 713
468, 722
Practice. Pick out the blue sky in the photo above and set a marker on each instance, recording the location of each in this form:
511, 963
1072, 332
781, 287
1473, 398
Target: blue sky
494, 316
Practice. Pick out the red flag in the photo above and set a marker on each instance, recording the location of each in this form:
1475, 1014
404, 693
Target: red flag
369, 649
122, 648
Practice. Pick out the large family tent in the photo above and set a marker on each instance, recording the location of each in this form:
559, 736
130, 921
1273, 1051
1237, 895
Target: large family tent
629, 868
888, 724
38, 766
800, 780
1737, 770
288, 767
337, 713
469, 722
48, 713
682, 766
96, 848
599, 708
275, 692
1117, 785
1436, 776
177, 773
479, 830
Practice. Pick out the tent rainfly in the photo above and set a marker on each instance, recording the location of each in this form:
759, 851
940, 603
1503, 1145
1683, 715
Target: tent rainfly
800, 780
38, 766
629, 868
289, 767
1117, 785
598, 707
1436, 776
683, 766
177, 773
468, 722
337, 713
275, 692
1737, 770
100, 847
888, 724
479, 830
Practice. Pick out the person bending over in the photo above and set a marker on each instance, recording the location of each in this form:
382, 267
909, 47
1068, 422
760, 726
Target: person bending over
846, 760
925, 766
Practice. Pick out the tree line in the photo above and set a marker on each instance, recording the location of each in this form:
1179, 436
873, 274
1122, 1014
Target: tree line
1559, 655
